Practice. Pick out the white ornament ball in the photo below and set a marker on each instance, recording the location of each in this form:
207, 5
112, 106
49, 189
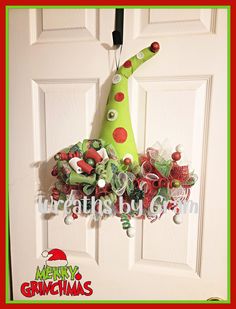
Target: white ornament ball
178, 218
68, 219
116, 79
101, 183
131, 232
140, 55
179, 148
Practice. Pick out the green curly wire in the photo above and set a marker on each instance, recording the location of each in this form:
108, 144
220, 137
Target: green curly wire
101, 171
111, 197
125, 222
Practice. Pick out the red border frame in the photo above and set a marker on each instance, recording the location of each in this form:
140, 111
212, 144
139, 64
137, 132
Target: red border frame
2, 122
2, 158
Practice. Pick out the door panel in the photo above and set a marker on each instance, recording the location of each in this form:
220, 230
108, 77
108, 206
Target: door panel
183, 113
61, 66
162, 22
63, 25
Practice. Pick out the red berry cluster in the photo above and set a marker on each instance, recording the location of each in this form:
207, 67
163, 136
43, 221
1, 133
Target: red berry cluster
67, 156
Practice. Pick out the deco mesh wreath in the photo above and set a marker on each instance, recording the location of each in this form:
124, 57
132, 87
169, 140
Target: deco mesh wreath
109, 169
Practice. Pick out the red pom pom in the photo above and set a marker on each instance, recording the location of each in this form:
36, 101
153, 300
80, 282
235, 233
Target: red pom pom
127, 64
127, 161
176, 156
119, 96
155, 47
120, 135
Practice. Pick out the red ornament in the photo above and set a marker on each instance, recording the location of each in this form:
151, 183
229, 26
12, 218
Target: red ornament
120, 135
155, 47
119, 96
127, 64
70, 155
176, 156
77, 154
54, 171
74, 216
55, 194
127, 161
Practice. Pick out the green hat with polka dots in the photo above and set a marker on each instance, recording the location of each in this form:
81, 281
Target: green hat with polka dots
117, 128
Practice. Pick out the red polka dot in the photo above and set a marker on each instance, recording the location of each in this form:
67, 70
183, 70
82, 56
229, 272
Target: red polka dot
120, 135
127, 64
78, 276
119, 96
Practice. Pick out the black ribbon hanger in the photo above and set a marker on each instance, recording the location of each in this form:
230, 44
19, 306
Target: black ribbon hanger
117, 34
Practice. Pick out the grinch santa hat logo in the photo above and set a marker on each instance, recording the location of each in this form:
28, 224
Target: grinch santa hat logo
55, 258
57, 277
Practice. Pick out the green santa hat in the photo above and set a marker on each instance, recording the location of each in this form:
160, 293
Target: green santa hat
117, 128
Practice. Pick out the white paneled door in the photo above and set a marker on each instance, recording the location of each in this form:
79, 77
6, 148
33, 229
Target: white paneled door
61, 66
